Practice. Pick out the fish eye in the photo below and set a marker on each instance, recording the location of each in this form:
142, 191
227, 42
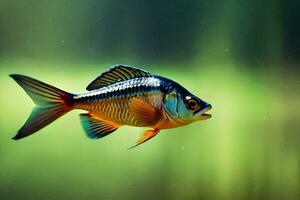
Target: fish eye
192, 104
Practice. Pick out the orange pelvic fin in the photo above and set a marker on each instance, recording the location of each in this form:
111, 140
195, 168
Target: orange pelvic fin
147, 135
144, 112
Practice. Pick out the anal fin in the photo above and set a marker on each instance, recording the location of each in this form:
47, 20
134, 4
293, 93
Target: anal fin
96, 127
147, 135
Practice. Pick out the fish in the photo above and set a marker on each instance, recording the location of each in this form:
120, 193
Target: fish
122, 95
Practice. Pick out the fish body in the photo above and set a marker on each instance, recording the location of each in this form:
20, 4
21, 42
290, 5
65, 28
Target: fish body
113, 102
123, 95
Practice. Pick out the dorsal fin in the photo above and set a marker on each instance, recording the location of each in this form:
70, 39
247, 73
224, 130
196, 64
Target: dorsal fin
115, 74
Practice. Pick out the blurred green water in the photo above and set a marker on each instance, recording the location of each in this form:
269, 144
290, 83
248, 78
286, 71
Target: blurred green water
240, 56
248, 150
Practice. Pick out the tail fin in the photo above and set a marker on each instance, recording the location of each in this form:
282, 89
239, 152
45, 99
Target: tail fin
51, 104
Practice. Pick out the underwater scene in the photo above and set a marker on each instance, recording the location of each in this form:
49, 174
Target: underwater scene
240, 57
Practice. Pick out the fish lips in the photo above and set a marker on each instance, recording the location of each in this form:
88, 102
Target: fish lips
202, 115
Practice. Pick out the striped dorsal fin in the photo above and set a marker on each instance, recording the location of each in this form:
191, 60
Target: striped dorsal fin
116, 74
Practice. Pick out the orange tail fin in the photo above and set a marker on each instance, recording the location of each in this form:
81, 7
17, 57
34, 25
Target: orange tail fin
51, 104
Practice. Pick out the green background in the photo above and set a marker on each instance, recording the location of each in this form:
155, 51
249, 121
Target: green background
240, 56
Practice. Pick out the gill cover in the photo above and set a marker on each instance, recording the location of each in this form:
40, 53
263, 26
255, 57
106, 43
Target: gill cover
176, 106
170, 104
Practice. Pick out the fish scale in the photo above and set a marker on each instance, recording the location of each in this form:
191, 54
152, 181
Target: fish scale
107, 102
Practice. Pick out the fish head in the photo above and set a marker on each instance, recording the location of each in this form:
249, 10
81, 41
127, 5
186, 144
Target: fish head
192, 108
184, 107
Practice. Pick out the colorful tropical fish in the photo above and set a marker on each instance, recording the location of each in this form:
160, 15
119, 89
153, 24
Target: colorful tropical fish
123, 95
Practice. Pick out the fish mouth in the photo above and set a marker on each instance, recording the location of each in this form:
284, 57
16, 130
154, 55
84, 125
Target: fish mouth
203, 115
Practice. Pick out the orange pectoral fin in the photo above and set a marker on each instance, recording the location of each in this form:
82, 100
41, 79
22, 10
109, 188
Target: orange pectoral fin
147, 135
144, 112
